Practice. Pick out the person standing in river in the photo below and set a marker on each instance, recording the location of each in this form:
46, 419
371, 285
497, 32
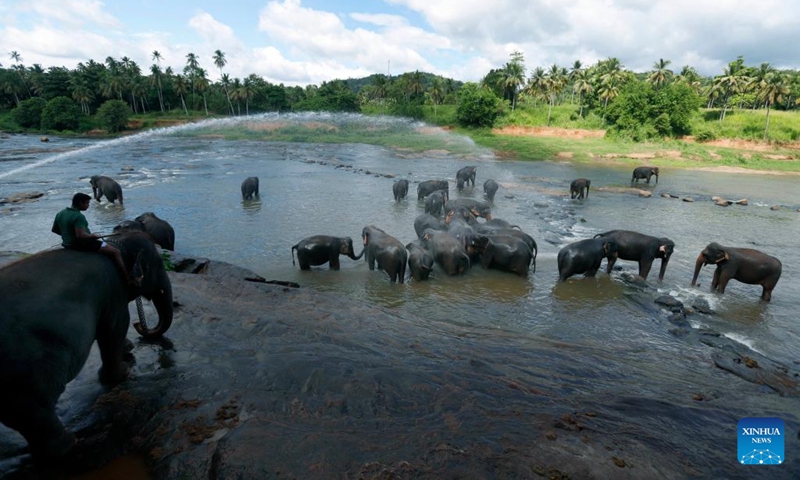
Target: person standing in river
73, 227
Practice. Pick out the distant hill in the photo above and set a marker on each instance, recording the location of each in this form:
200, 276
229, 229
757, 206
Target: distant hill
357, 83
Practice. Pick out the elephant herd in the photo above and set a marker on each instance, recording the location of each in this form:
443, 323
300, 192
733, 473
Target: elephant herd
450, 235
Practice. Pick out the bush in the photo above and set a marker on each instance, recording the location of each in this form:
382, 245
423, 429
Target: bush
705, 135
477, 106
29, 112
113, 115
61, 113
641, 110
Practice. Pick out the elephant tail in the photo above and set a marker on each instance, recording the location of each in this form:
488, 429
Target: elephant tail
120, 196
294, 247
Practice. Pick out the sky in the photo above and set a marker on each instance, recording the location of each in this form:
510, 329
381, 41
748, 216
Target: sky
302, 42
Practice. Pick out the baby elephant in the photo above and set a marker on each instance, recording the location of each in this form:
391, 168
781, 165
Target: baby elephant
584, 256
420, 261
577, 188
400, 189
321, 249
102, 185
743, 264
644, 173
250, 188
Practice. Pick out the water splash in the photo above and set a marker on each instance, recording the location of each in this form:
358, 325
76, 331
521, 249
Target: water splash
302, 127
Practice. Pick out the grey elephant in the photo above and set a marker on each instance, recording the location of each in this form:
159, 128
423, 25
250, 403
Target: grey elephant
448, 252
746, 265
159, 230
505, 253
585, 256
519, 235
250, 188
644, 173
465, 176
429, 186
579, 188
44, 344
479, 209
426, 221
490, 188
420, 261
400, 189
434, 202
322, 249
385, 250
641, 248
102, 185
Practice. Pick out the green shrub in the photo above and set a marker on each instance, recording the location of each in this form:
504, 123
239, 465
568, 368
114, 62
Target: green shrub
705, 135
477, 106
28, 113
113, 115
61, 113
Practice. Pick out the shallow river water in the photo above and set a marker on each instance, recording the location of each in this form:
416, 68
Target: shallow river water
191, 179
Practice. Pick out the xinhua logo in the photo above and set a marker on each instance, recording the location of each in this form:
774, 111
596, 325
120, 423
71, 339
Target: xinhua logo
761, 441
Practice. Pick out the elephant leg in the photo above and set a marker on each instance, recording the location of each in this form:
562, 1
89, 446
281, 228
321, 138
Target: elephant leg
611, 262
724, 278
35, 418
302, 259
371, 260
644, 267
715, 280
334, 261
111, 332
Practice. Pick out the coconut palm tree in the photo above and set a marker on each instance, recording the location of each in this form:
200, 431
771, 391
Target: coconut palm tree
202, 84
155, 72
181, 88
575, 71
731, 82
219, 62
246, 92
513, 77
660, 74
436, 94
554, 83
14, 55
773, 91
690, 77
535, 88
583, 86
190, 70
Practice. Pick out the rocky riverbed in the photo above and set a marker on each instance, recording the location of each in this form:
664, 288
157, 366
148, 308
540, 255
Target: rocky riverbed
264, 380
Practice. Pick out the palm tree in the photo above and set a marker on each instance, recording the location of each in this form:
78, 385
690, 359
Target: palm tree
582, 85
155, 71
202, 84
731, 82
436, 93
235, 86
415, 84
660, 74
773, 91
219, 62
14, 55
535, 87
513, 77
191, 71
181, 88
553, 84
574, 73
759, 79
690, 77
246, 92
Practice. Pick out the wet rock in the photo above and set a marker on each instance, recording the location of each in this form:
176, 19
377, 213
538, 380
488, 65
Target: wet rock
722, 203
669, 195
645, 193
127, 168
743, 201
633, 280
24, 197
669, 301
716, 198
679, 319
541, 204
701, 305
775, 207
44, 139
688, 199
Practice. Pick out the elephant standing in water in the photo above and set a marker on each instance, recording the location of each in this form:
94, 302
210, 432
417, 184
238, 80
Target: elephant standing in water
55, 304
429, 186
102, 185
504, 252
644, 173
250, 188
577, 188
465, 175
490, 188
641, 248
585, 256
159, 230
743, 264
400, 190
321, 249
420, 261
390, 255
448, 251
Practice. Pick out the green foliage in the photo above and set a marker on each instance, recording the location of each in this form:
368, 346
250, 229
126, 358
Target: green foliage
61, 113
477, 106
29, 112
113, 115
168, 265
334, 96
643, 112
705, 134
407, 109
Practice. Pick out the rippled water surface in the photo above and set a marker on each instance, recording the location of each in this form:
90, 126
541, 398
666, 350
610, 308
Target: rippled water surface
192, 180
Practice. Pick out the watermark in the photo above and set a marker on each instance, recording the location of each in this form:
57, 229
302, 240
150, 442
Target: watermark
761, 441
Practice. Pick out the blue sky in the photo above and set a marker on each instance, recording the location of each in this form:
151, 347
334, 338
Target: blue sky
301, 42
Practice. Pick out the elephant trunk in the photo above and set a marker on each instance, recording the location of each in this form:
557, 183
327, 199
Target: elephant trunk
162, 300
356, 257
698, 264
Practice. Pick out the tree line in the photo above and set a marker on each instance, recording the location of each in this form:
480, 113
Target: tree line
638, 105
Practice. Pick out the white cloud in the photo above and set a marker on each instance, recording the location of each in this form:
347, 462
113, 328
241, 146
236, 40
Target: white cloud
73, 13
215, 33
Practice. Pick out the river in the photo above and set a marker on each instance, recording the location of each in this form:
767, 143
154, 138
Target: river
191, 178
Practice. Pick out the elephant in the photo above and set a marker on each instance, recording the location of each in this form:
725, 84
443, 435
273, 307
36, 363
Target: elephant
641, 248
319, 249
494, 224
250, 188
387, 251
426, 221
434, 202
504, 252
429, 186
578, 186
743, 264
448, 252
585, 256
644, 172
159, 230
420, 261
490, 188
102, 185
400, 189
519, 235
465, 175
55, 304
479, 209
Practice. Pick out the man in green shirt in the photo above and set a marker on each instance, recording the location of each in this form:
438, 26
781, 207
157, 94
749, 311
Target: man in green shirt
74, 230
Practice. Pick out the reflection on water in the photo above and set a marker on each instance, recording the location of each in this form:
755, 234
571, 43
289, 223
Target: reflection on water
311, 189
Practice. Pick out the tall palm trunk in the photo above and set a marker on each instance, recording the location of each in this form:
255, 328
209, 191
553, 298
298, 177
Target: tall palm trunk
183, 102
766, 127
